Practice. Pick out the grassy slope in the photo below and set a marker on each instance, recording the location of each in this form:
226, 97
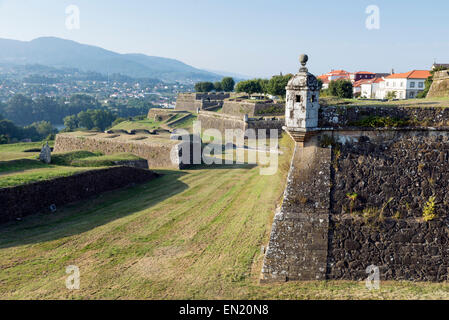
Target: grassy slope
150, 124
33, 175
17, 151
190, 234
23, 171
137, 124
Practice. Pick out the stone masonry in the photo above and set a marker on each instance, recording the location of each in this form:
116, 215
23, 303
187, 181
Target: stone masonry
298, 246
363, 196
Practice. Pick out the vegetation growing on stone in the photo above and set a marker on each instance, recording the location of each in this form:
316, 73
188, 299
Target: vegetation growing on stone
381, 122
429, 213
352, 196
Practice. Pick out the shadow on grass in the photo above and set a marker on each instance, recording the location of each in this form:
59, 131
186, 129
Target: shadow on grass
90, 213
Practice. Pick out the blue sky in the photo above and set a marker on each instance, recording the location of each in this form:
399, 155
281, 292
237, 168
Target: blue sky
256, 38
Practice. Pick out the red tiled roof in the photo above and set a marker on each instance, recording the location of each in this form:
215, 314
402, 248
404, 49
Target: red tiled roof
367, 81
415, 74
378, 80
363, 81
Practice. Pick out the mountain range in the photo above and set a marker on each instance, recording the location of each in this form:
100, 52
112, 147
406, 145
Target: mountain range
61, 53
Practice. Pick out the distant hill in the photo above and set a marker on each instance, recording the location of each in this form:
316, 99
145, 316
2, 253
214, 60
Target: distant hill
60, 53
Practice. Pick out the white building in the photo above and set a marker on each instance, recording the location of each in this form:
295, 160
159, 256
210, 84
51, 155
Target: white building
369, 89
405, 85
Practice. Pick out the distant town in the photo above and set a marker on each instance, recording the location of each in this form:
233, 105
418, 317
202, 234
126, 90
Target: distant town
34, 81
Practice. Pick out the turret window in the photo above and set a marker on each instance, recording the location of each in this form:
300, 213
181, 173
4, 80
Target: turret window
298, 98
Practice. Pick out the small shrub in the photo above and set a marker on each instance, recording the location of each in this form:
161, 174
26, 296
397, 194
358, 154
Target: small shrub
352, 198
429, 209
337, 155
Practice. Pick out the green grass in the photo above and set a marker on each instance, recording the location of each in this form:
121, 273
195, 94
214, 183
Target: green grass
193, 234
139, 124
28, 170
17, 150
90, 159
20, 165
67, 158
150, 124
104, 160
186, 123
34, 175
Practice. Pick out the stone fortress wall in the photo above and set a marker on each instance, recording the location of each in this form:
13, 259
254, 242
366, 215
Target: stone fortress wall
394, 173
158, 150
220, 121
21, 201
193, 101
237, 111
240, 107
440, 85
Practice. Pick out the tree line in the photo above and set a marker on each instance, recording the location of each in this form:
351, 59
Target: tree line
341, 88
24, 111
91, 119
274, 86
225, 85
23, 118
11, 133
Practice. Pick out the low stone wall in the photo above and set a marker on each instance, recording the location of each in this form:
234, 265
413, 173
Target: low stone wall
18, 202
252, 109
160, 153
344, 116
440, 85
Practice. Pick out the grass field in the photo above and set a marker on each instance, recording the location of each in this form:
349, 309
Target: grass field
150, 124
20, 167
194, 234
137, 124
18, 150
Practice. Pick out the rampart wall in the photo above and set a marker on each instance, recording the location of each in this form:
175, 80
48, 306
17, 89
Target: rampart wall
21, 201
359, 197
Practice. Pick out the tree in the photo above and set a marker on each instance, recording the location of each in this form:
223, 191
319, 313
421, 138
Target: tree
249, 86
218, 87
320, 84
228, 84
264, 85
19, 109
390, 95
277, 84
71, 122
204, 86
4, 139
44, 128
102, 119
85, 119
9, 129
341, 88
